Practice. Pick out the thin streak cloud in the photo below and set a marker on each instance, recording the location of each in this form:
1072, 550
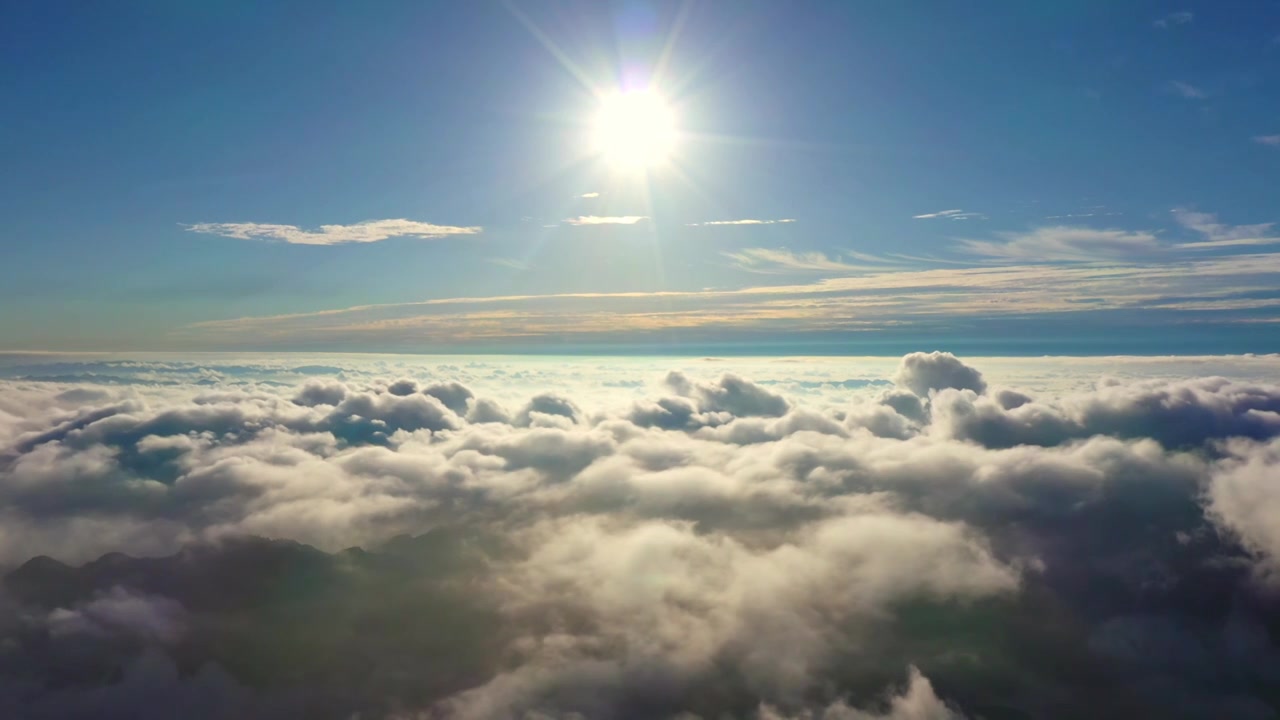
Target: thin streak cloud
848, 298
1183, 17
605, 220
950, 215
1220, 235
1064, 243
1187, 90
772, 262
364, 232
744, 221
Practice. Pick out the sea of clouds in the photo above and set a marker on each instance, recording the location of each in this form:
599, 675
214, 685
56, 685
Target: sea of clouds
916, 538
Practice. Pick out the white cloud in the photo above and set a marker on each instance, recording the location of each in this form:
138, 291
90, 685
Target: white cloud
774, 261
921, 372
1067, 243
723, 539
1187, 90
917, 702
1245, 499
842, 300
605, 220
1218, 234
775, 553
745, 221
950, 215
1268, 140
369, 231
1183, 17
589, 195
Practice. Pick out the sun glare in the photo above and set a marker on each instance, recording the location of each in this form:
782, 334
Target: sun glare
634, 130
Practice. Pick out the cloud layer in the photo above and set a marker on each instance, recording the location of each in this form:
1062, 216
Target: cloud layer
1219, 276
532, 541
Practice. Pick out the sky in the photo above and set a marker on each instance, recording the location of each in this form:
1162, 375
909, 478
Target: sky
841, 178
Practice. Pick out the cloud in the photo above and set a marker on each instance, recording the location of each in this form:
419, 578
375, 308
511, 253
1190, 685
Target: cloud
745, 221
771, 261
1065, 243
1268, 140
950, 215
368, 231
609, 220
1187, 90
120, 611
917, 702
922, 372
1219, 235
589, 195
1244, 499
747, 539
1047, 275
1183, 17
731, 394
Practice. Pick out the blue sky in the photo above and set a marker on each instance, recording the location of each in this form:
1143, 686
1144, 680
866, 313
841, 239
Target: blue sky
849, 176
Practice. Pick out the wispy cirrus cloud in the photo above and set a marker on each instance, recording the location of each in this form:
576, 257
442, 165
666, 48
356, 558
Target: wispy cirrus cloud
1052, 272
771, 261
605, 220
950, 215
744, 221
363, 232
1066, 243
1268, 140
1183, 17
843, 299
1083, 244
1187, 90
1220, 235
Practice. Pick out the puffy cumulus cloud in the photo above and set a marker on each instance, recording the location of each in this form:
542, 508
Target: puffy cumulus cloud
371, 417
730, 393
120, 611
477, 541
1245, 498
681, 606
921, 372
453, 395
550, 409
1178, 414
917, 702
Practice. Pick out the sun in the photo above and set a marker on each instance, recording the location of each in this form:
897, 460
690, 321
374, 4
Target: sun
634, 130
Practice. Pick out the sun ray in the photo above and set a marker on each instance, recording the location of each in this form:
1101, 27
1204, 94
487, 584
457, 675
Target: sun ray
547, 43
